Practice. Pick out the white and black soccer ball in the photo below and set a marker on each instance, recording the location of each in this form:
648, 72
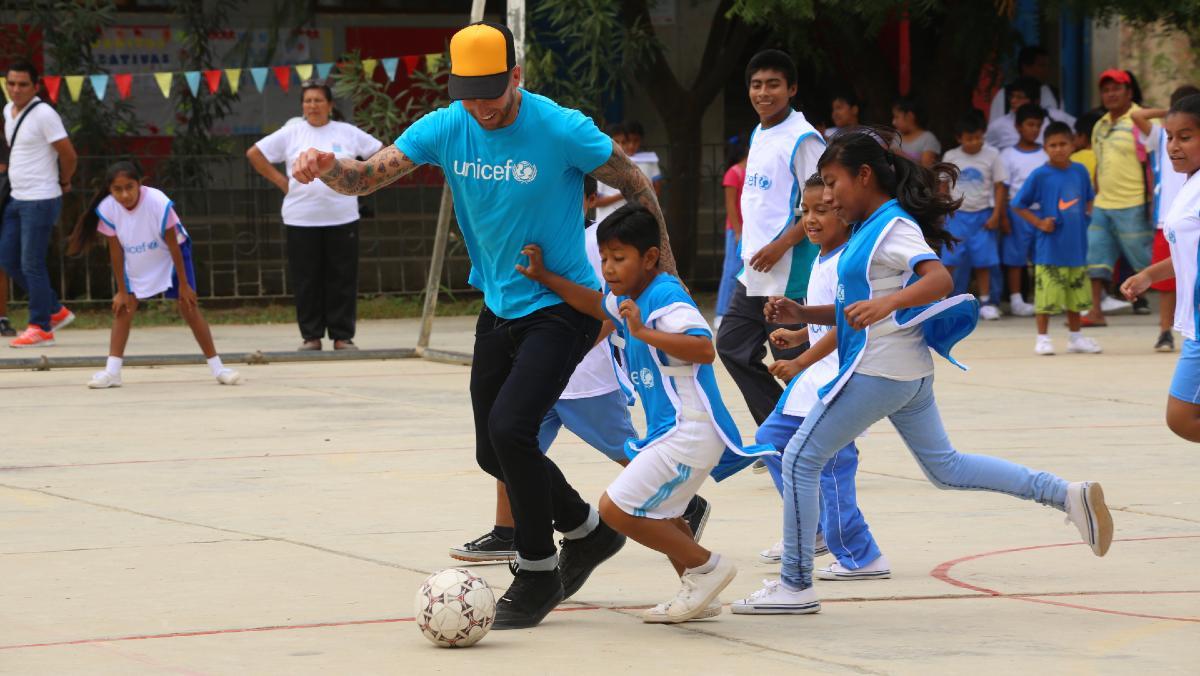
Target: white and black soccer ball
455, 608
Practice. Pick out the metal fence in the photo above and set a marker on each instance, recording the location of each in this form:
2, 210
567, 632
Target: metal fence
239, 242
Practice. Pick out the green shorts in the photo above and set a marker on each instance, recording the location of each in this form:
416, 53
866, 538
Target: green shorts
1059, 289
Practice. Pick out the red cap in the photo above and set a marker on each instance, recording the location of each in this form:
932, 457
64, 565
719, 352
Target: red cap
1118, 76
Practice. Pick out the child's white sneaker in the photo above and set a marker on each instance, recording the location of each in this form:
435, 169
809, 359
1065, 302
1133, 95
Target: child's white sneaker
776, 599
1083, 344
876, 570
775, 553
989, 312
228, 376
1020, 308
102, 380
1086, 509
697, 591
1044, 345
658, 614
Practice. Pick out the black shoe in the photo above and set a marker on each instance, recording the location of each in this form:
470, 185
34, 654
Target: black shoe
530, 597
344, 345
1141, 306
6, 329
696, 516
1165, 343
578, 558
486, 547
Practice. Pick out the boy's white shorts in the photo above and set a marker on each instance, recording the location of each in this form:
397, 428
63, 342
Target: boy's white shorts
656, 486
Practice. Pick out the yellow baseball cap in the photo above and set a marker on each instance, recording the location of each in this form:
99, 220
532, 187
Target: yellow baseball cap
481, 57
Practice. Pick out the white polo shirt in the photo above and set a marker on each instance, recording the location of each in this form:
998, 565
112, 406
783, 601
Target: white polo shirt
33, 162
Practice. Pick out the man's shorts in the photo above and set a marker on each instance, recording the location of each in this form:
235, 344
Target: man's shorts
977, 246
1017, 248
1185, 385
1161, 251
1059, 289
1115, 233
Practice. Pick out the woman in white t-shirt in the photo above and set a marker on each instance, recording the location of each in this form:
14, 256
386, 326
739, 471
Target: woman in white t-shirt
321, 225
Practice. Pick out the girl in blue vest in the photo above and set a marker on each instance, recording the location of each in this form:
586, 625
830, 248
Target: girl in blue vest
667, 349
891, 309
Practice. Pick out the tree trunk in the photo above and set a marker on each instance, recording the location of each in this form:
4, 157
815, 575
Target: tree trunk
683, 186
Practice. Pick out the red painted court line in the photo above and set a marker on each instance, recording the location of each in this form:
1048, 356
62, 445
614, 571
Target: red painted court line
942, 572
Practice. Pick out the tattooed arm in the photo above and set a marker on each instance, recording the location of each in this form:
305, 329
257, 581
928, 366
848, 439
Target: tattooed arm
622, 174
353, 177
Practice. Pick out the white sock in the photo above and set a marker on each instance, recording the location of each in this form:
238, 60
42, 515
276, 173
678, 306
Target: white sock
1016, 298
1044, 335
113, 365
1074, 335
216, 366
984, 299
708, 566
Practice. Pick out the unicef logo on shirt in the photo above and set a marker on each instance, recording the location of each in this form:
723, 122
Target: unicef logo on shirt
759, 181
524, 172
643, 377
1171, 235
841, 293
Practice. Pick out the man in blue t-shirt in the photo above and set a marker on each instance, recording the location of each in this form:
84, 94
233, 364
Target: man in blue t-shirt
515, 163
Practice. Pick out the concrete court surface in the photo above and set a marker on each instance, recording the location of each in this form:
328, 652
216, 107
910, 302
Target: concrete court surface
282, 527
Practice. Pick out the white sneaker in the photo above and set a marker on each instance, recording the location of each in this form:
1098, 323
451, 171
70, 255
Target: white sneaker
698, 591
1086, 509
658, 614
228, 376
875, 570
775, 599
775, 553
1083, 344
1020, 308
102, 380
1044, 345
1109, 304
989, 312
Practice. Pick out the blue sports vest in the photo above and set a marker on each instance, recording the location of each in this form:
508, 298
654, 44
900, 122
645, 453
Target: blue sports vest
654, 380
943, 323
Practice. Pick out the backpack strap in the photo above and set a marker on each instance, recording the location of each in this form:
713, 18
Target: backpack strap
21, 121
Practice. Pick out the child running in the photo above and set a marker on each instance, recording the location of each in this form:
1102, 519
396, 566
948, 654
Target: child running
1057, 200
889, 313
1019, 162
1182, 231
847, 535
148, 246
666, 346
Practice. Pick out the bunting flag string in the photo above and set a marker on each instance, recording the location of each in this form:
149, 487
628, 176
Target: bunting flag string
164, 83
432, 61
213, 78
124, 82
193, 81
389, 67
410, 64
99, 85
283, 74
323, 70
4, 86
74, 86
369, 67
53, 82
260, 78
234, 76
304, 70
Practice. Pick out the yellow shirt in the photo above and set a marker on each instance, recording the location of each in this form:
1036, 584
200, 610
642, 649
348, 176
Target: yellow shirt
1086, 157
1120, 177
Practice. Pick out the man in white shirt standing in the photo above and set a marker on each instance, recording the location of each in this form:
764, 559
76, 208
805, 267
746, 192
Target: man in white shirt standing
784, 150
40, 165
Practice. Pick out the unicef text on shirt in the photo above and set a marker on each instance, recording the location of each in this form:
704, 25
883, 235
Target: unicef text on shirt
142, 248
521, 172
760, 181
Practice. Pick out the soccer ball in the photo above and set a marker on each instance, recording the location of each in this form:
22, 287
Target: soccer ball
455, 608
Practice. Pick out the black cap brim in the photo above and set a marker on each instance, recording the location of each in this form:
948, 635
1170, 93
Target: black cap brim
478, 86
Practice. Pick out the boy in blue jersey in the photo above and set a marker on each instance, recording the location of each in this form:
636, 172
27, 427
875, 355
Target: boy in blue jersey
667, 350
1062, 192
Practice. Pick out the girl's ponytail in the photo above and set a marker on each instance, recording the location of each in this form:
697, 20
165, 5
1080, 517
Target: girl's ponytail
85, 234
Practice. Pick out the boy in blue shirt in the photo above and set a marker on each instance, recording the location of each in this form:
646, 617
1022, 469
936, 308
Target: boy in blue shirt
1057, 200
667, 349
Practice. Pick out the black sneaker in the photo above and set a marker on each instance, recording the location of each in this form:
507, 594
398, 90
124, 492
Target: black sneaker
1165, 343
6, 328
486, 547
578, 558
696, 516
530, 597
1141, 306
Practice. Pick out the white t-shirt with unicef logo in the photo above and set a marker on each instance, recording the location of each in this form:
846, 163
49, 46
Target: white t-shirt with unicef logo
978, 175
316, 204
142, 233
781, 158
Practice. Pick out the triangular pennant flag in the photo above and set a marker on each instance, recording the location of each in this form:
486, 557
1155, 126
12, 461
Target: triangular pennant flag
213, 78
124, 82
99, 85
323, 70
369, 67
260, 77
75, 86
432, 61
234, 75
164, 83
193, 81
4, 86
52, 84
410, 64
389, 67
284, 75
304, 70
